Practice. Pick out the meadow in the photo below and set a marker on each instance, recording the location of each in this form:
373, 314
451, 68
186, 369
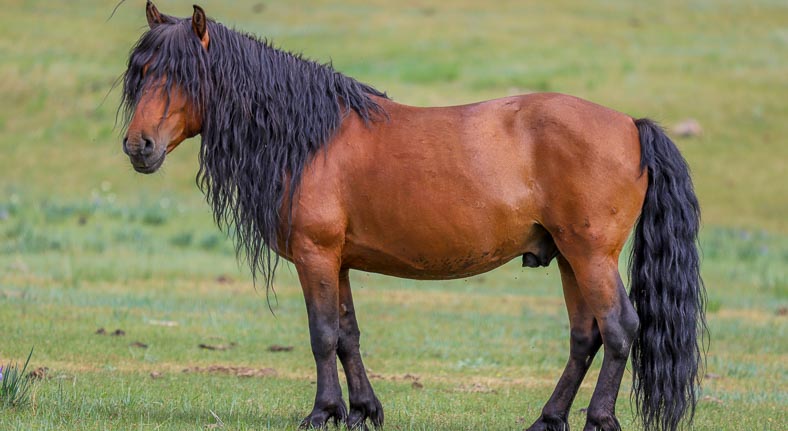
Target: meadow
87, 243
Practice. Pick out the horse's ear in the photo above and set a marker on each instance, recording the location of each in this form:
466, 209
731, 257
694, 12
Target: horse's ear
154, 16
200, 26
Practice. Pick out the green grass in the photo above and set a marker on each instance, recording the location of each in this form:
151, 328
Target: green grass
488, 356
87, 243
15, 384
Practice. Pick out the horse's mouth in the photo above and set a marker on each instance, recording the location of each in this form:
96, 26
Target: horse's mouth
149, 168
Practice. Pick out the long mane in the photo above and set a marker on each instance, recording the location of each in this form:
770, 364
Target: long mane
265, 113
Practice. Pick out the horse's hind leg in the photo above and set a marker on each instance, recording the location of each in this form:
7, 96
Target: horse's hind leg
585, 341
601, 287
363, 402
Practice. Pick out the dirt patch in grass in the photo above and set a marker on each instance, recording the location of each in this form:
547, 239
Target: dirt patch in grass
234, 371
217, 346
39, 373
393, 377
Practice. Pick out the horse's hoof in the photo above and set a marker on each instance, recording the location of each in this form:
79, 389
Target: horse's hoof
360, 412
603, 422
550, 423
320, 416
356, 423
313, 422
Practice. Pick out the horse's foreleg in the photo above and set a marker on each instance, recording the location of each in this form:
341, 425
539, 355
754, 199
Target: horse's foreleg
363, 402
318, 274
585, 341
603, 290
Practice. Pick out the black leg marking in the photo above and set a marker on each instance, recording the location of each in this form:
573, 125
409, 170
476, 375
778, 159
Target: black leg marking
320, 286
585, 341
363, 402
618, 331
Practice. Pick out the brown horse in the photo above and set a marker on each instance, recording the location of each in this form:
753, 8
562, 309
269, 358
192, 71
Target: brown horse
300, 161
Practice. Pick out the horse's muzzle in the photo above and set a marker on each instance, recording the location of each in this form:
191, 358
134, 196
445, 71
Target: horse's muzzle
143, 155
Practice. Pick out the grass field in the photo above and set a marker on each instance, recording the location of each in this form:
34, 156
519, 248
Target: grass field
86, 243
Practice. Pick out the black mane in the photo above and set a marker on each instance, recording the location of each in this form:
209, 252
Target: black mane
265, 113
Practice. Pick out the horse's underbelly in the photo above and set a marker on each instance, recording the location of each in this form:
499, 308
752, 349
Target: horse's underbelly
428, 267
456, 247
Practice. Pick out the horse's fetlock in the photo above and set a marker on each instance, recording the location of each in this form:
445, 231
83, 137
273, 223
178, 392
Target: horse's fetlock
331, 403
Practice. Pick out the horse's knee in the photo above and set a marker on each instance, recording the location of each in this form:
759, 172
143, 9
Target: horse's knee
348, 342
324, 340
348, 326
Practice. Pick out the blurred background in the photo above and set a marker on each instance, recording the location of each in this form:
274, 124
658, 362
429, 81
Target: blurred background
87, 243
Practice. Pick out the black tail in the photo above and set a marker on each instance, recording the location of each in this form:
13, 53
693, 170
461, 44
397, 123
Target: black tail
666, 287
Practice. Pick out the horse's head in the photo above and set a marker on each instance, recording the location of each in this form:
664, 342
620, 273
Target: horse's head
165, 87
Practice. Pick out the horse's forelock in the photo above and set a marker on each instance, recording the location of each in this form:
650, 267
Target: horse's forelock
171, 55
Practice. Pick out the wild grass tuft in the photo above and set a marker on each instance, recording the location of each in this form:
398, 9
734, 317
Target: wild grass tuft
15, 385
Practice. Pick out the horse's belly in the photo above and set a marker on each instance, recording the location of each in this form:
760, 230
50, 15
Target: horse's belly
422, 267
446, 252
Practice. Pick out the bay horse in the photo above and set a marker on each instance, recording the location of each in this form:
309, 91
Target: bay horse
301, 162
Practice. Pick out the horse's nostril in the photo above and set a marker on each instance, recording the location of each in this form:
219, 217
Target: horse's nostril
126, 145
147, 147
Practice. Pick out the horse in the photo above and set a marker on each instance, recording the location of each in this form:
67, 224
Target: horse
301, 162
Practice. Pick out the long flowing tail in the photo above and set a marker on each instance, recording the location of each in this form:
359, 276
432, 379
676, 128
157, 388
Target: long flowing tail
666, 287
